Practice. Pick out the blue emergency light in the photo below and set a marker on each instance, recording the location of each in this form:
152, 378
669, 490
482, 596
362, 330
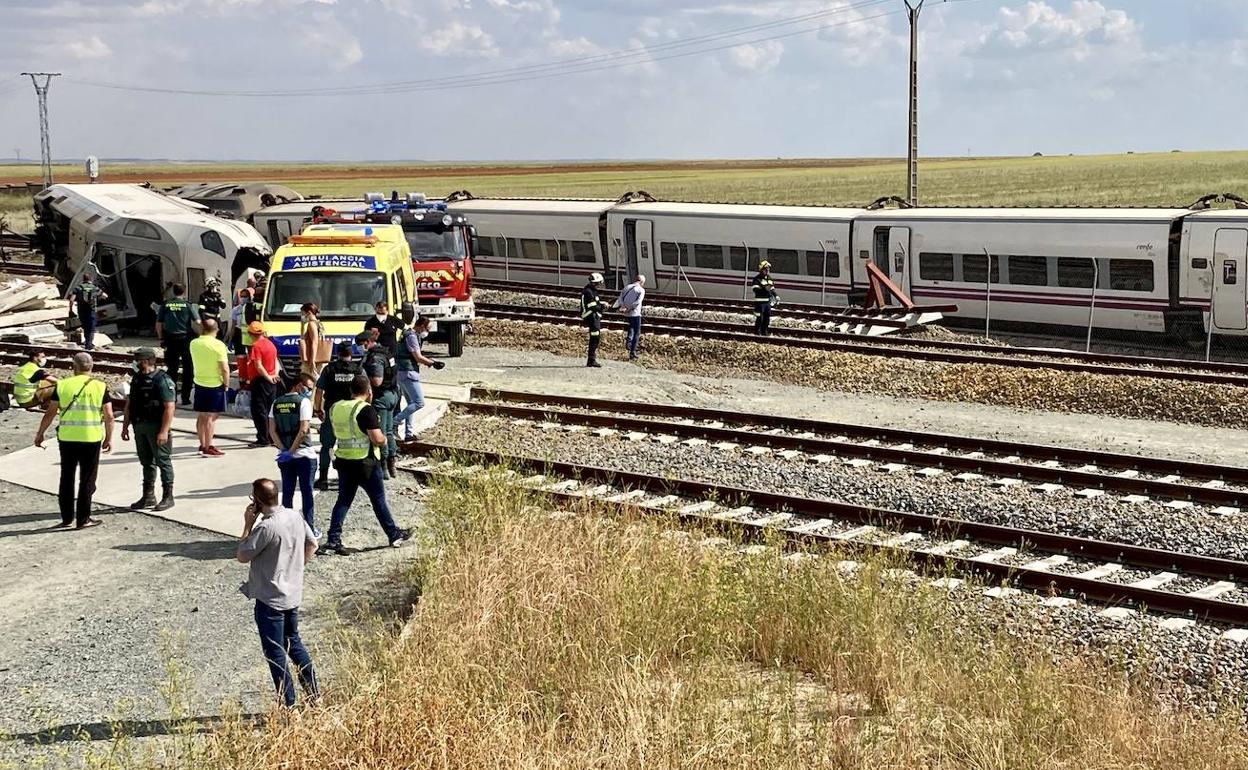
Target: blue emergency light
414, 204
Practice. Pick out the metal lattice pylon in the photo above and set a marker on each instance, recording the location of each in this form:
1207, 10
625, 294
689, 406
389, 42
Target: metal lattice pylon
45, 143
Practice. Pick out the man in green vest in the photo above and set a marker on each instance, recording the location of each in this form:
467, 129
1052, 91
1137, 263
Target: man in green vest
176, 325
290, 428
358, 458
85, 430
150, 410
31, 382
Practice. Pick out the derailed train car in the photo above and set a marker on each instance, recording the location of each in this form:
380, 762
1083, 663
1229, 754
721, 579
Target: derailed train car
139, 242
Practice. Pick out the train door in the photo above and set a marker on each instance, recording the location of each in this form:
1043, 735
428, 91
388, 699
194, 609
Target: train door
1230, 298
892, 254
638, 251
279, 232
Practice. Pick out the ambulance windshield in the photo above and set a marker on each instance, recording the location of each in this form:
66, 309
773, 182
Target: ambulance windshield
341, 294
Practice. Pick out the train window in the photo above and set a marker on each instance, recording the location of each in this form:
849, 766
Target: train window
556, 251
140, 229
582, 251
1200, 263
1029, 271
1075, 272
737, 257
708, 257
211, 240
816, 266
936, 267
512, 248
975, 268
485, 247
1131, 274
783, 261
531, 248
668, 253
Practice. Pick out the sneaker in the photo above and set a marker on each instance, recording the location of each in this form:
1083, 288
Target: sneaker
89, 523
400, 537
212, 451
594, 364
203, 451
316, 533
338, 549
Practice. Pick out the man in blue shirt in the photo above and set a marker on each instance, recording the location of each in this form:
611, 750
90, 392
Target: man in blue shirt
407, 363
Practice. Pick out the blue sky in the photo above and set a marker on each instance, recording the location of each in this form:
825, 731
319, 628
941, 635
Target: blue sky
998, 77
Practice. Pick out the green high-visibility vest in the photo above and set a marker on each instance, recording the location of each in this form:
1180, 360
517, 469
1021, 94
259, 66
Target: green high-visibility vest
23, 388
81, 400
352, 443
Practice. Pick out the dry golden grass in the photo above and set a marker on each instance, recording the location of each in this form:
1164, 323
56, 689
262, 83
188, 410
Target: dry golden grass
595, 642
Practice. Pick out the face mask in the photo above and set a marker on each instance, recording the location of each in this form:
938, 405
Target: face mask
423, 335
41, 362
382, 317
135, 366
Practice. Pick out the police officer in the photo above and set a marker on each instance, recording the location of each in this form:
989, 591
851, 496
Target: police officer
31, 382
85, 430
290, 429
177, 324
86, 299
379, 367
150, 410
211, 303
591, 315
764, 298
332, 386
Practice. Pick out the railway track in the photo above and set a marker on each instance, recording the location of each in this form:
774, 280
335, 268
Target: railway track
1074, 568
110, 362
944, 351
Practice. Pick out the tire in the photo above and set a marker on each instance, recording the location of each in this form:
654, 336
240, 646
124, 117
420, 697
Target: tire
455, 341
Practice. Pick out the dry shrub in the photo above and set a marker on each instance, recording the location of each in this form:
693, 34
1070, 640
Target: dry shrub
595, 642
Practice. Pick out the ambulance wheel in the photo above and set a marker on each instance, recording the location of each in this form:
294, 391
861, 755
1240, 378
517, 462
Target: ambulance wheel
455, 341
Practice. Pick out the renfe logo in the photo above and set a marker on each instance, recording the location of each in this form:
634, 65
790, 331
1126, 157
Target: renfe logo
307, 261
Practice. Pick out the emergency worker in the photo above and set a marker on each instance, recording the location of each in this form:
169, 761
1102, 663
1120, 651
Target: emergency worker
248, 313
385, 327
211, 303
290, 427
379, 367
31, 382
332, 386
591, 315
85, 430
150, 410
177, 324
764, 297
86, 299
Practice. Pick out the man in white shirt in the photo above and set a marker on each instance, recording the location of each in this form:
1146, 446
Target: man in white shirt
629, 302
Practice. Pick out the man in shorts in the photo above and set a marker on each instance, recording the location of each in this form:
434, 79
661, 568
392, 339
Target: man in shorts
211, 362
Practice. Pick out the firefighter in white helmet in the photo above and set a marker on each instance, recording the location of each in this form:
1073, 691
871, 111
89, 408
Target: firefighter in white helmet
591, 315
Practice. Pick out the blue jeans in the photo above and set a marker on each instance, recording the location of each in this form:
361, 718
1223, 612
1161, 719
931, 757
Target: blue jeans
374, 486
301, 470
327, 441
88, 329
633, 335
279, 638
386, 403
415, 401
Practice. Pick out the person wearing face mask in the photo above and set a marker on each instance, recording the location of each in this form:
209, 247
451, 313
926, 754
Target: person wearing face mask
149, 409
379, 366
385, 327
407, 364
31, 382
290, 428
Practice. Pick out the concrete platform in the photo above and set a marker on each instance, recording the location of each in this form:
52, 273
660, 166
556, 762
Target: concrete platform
211, 492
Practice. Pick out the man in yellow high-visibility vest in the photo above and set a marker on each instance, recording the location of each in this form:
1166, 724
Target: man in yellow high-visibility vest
85, 430
31, 382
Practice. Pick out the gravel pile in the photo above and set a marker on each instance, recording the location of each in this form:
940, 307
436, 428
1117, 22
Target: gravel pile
1192, 530
1119, 396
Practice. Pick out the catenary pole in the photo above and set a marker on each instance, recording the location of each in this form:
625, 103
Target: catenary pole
912, 149
41, 81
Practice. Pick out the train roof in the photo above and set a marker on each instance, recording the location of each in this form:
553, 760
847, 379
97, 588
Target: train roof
532, 206
1034, 214
1222, 215
741, 210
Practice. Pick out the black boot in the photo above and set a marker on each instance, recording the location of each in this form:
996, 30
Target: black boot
390, 466
322, 479
148, 499
166, 498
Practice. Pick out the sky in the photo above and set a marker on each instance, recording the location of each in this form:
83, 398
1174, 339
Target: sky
485, 80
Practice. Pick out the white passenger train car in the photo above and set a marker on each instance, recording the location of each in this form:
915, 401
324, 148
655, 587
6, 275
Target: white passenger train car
140, 242
1211, 268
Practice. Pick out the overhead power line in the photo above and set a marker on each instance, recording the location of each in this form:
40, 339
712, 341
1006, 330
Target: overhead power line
609, 60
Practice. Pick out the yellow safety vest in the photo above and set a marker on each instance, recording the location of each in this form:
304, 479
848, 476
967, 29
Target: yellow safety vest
351, 442
23, 388
81, 400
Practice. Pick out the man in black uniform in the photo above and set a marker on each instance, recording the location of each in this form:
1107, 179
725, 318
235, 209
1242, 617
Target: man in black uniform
764, 298
211, 303
591, 315
332, 386
87, 298
385, 328
177, 324
379, 367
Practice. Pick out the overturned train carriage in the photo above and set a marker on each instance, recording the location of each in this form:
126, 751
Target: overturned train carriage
139, 242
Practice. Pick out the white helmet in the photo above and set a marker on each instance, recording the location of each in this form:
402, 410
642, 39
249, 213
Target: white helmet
595, 278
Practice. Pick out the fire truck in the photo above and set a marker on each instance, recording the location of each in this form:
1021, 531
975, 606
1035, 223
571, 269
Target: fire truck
442, 246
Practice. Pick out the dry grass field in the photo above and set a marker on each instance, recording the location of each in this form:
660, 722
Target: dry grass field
1103, 180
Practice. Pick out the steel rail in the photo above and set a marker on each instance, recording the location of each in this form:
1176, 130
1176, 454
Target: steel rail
1000, 468
1131, 366
1040, 452
1034, 579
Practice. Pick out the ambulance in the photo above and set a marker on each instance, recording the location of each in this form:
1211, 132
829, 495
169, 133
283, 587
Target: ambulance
345, 269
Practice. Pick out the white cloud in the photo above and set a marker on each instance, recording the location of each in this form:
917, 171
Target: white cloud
1039, 26
90, 47
757, 58
458, 39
